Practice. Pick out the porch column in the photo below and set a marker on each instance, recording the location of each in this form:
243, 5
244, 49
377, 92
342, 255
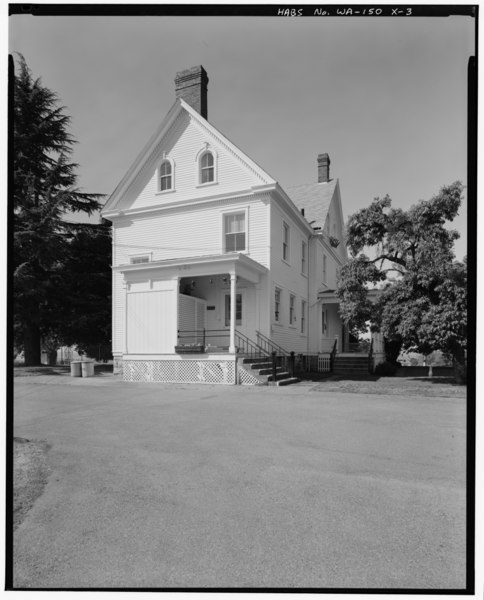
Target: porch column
233, 281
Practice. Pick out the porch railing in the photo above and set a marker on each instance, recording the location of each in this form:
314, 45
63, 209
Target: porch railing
201, 337
247, 346
206, 338
294, 363
299, 364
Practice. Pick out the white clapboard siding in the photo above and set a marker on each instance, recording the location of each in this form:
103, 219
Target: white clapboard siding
289, 338
190, 232
119, 314
184, 141
151, 322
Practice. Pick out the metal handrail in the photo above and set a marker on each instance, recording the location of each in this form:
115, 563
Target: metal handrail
270, 345
248, 346
202, 334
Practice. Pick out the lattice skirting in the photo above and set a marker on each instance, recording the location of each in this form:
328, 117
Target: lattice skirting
180, 371
246, 378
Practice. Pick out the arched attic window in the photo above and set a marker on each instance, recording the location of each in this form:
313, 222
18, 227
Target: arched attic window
166, 176
207, 167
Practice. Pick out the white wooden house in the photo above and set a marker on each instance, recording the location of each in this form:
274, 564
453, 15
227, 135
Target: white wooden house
213, 259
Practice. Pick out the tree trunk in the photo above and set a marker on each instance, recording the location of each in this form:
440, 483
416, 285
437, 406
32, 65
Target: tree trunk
31, 330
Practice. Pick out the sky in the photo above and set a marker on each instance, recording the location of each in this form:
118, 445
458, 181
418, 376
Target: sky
385, 98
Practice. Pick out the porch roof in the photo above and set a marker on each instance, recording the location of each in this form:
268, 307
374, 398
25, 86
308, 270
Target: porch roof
328, 296
213, 264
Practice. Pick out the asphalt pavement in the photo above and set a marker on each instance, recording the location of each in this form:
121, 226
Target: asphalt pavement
160, 486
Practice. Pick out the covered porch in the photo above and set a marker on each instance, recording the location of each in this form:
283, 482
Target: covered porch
197, 312
338, 337
334, 334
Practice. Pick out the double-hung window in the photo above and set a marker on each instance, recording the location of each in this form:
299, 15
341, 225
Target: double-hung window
207, 168
165, 176
234, 232
277, 305
285, 241
292, 306
303, 316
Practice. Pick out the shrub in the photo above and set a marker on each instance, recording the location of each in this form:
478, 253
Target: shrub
386, 368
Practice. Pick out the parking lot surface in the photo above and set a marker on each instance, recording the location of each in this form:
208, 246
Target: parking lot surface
159, 486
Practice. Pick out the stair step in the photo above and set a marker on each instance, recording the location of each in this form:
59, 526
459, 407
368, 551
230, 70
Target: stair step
261, 365
250, 361
267, 370
288, 381
280, 375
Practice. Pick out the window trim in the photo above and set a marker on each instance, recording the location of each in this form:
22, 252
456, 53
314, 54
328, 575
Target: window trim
171, 162
325, 269
303, 317
227, 213
292, 309
207, 148
148, 255
286, 242
277, 314
304, 257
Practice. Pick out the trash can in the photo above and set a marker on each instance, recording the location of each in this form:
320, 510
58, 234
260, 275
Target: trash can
87, 368
75, 368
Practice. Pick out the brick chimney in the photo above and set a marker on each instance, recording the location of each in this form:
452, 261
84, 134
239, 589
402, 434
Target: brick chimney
323, 168
191, 86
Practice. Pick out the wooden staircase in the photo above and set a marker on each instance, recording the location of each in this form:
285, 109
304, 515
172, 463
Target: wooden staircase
351, 366
261, 369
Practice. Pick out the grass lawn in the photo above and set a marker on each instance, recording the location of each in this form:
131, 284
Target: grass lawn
29, 476
21, 371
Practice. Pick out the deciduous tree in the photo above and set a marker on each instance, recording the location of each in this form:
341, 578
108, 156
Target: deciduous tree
408, 255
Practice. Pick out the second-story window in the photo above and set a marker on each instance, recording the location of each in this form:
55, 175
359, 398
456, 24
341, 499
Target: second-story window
285, 241
303, 257
234, 232
324, 268
165, 176
207, 168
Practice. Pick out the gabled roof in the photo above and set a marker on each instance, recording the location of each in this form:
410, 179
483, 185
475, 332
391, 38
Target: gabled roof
136, 169
315, 198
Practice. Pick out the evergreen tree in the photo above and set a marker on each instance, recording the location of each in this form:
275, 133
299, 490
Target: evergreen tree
44, 189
